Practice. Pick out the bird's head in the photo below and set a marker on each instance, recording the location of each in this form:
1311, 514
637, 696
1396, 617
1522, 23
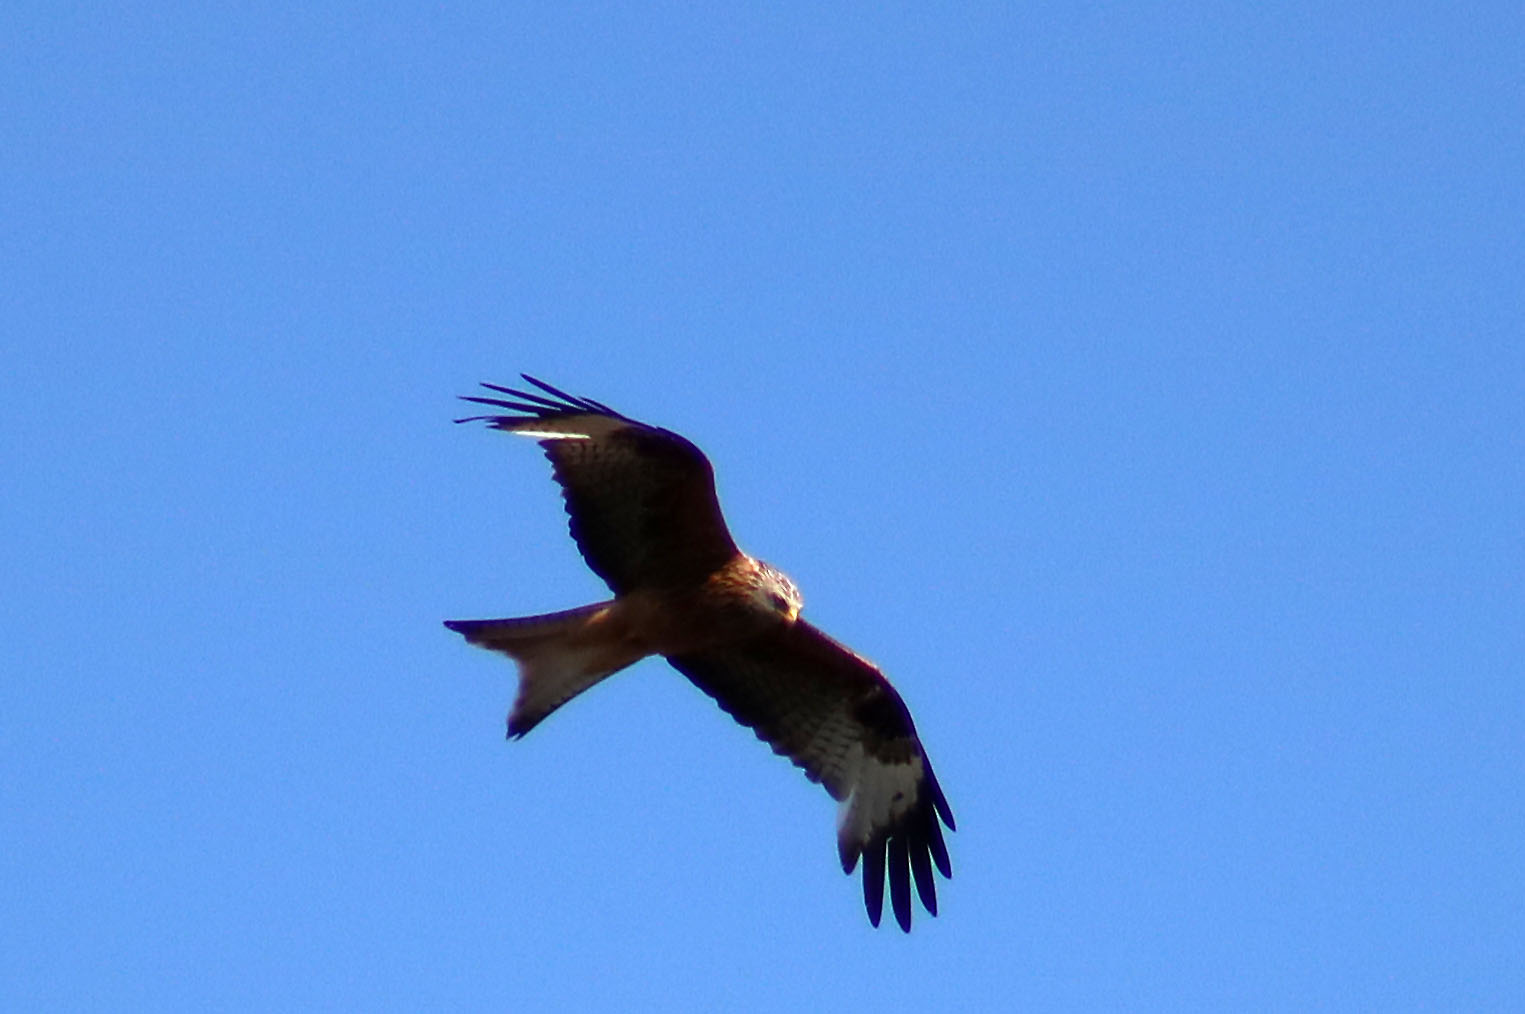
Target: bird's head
777, 592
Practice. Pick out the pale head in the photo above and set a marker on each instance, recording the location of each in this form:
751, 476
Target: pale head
776, 592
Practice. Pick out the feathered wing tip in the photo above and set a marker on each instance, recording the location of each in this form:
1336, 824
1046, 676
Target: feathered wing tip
905, 856
536, 406
906, 849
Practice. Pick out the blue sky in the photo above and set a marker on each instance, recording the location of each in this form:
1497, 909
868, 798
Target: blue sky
1141, 386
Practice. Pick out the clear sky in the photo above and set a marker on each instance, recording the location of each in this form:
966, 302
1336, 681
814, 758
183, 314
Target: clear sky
1142, 386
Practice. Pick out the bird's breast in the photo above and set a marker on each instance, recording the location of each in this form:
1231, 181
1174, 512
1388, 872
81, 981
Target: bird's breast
677, 621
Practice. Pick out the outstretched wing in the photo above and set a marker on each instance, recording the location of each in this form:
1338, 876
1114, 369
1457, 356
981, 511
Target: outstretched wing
641, 499
835, 715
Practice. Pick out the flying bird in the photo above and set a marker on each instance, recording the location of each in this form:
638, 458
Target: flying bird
644, 514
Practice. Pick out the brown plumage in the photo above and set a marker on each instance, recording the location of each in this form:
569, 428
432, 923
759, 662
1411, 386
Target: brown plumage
644, 514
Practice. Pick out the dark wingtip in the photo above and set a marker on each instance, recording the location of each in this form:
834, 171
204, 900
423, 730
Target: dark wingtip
538, 403
921, 872
584, 404
873, 881
900, 882
905, 854
938, 848
533, 404
939, 801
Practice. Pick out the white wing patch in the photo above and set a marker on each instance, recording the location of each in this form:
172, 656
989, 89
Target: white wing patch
552, 435
882, 794
575, 427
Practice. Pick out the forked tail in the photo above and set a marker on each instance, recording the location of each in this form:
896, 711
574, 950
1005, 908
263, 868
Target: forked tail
559, 655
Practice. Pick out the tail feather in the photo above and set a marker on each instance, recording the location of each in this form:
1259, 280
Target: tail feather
559, 655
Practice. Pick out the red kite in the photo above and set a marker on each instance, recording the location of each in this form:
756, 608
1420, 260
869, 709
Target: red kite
646, 519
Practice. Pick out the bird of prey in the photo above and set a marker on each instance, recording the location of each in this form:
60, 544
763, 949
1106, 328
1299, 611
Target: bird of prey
644, 514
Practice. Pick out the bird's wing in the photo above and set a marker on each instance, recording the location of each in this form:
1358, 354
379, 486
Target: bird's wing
835, 715
641, 499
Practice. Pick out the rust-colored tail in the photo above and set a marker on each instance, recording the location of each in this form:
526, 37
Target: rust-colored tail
559, 655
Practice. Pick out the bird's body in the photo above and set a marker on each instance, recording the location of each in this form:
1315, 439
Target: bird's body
645, 516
